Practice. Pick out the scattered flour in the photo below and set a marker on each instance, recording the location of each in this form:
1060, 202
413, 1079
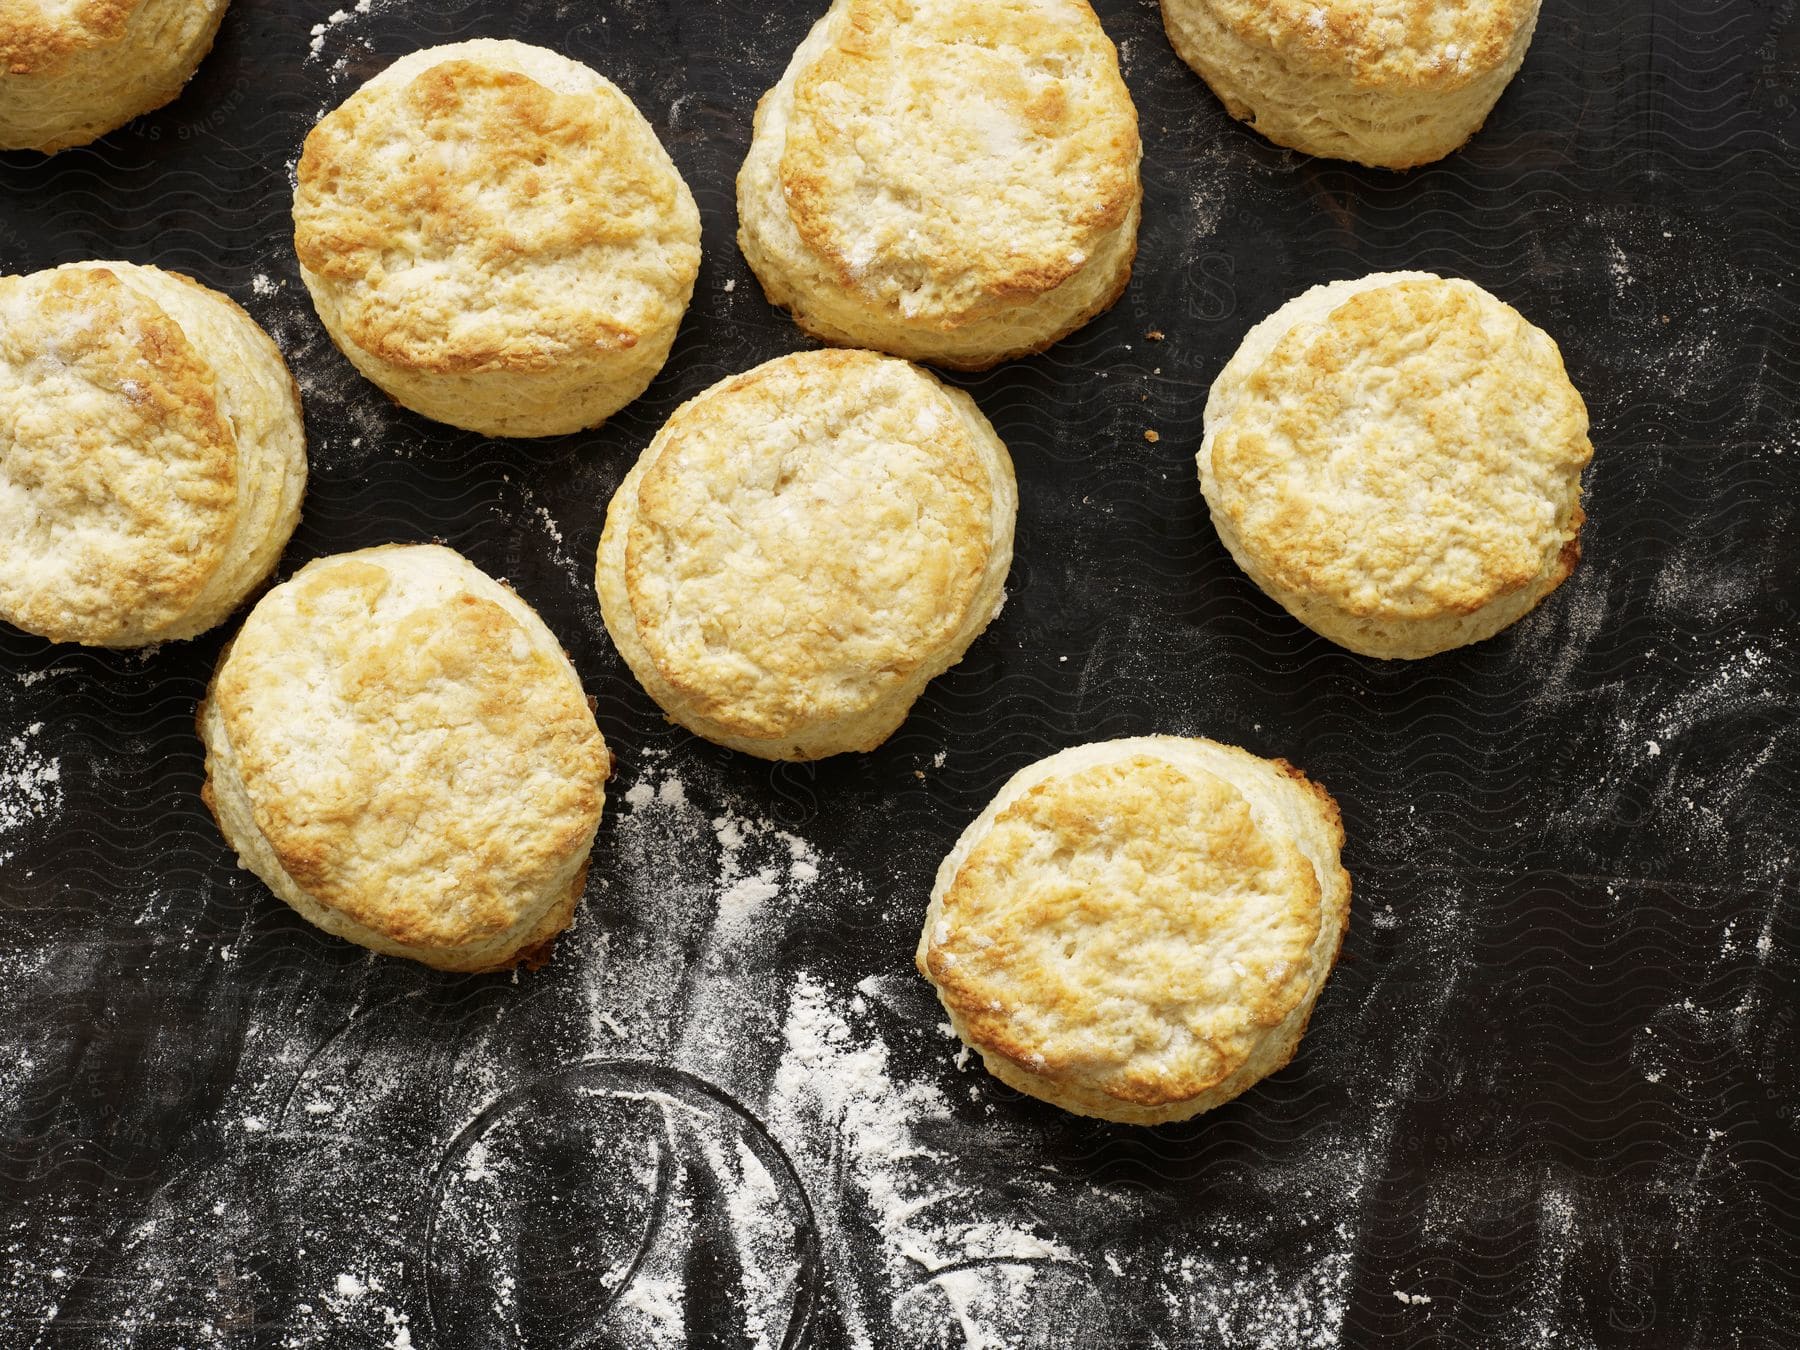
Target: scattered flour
834, 1084
27, 678
740, 899
553, 535
808, 1132
661, 1305
337, 18
1620, 266
31, 786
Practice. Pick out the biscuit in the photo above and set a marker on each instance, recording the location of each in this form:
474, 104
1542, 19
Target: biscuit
1138, 929
400, 749
952, 181
1392, 84
1397, 461
493, 234
152, 455
73, 70
803, 547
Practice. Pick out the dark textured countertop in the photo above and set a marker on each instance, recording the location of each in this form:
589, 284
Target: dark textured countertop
1550, 1095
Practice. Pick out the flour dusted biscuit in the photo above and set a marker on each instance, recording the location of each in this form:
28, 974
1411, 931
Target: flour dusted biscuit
1397, 461
152, 456
73, 70
803, 547
1389, 83
1138, 929
400, 749
493, 234
953, 181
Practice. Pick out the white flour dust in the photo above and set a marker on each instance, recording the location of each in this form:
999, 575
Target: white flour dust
1221, 1283
323, 31
717, 1072
347, 418
555, 544
31, 789
1619, 265
829, 1076
812, 1058
1260, 1308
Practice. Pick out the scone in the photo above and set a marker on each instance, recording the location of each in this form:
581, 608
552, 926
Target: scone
152, 456
1393, 85
401, 750
73, 70
493, 234
1397, 461
953, 181
1138, 929
803, 546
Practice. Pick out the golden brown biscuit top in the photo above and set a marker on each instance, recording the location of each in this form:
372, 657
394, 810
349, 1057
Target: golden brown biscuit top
38, 36
1442, 44
1129, 927
805, 536
472, 219
1417, 453
953, 157
417, 759
118, 471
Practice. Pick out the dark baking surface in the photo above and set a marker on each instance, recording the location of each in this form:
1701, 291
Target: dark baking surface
1551, 1089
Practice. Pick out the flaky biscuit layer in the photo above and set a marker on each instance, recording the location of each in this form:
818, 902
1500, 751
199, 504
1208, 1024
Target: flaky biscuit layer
1138, 929
1389, 83
948, 181
803, 547
401, 750
152, 454
493, 234
1397, 460
73, 70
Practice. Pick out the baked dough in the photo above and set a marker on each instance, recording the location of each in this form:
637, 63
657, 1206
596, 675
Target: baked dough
1397, 461
152, 456
401, 750
1138, 929
803, 546
493, 234
1389, 83
73, 70
953, 181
